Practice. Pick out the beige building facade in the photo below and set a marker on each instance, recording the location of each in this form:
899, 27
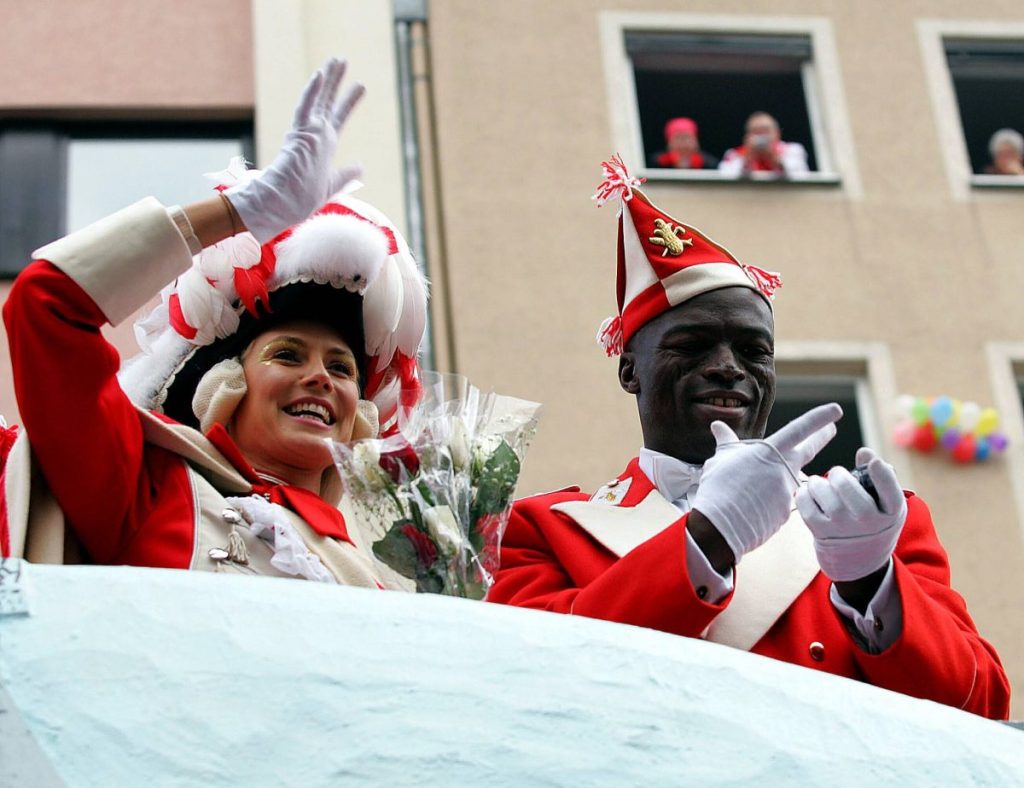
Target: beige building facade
903, 269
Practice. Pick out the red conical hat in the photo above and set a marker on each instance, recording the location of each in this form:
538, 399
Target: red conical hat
663, 262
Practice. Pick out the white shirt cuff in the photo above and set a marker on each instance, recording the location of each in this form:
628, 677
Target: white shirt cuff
882, 622
710, 586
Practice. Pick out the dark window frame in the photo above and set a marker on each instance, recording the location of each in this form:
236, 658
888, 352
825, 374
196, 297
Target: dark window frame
33, 171
979, 67
798, 392
714, 54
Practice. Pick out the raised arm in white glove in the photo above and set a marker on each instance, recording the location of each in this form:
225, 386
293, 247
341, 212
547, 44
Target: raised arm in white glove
301, 178
852, 536
746, 488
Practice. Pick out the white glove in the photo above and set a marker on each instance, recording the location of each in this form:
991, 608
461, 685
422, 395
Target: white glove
852, 536
301, 179
746, 488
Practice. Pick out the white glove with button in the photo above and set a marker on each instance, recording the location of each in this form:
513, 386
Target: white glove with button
852, 536
301, 178
746, 488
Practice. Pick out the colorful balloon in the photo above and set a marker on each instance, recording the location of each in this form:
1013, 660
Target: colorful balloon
941, 411
964, 451
988, 421
905, 406
970, 412
982, 449
950, 438
919, 411
903, 434
998, 442
924, 437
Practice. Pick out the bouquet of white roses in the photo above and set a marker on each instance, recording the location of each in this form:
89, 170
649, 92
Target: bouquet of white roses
435, 498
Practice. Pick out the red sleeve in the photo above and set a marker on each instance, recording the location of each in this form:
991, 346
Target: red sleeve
84, 431
939, 654
7, 438
548, 563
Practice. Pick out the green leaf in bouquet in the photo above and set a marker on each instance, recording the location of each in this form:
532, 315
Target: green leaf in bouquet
497, 482
397, 551
424, 490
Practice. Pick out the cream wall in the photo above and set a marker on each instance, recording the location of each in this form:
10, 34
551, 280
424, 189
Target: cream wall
139, 55
523, 122
292, 38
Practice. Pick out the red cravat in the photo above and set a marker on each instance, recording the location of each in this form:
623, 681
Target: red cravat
321, 516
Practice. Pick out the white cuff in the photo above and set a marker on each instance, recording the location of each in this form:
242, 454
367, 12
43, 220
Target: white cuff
122, 260
710, 586
882, 622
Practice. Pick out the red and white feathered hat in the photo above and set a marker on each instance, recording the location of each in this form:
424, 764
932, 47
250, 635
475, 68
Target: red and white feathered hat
346, 265
663, 262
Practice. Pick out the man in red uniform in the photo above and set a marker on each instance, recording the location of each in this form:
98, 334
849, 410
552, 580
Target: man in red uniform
699, 535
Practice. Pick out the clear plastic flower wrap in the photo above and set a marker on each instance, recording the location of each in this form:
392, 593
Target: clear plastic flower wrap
432, 502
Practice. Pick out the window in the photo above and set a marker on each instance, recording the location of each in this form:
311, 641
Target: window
797, 394
56, 178
988, 82
718, 69
718, 80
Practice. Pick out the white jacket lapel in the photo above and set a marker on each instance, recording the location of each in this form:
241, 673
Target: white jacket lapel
622, 528
768, 581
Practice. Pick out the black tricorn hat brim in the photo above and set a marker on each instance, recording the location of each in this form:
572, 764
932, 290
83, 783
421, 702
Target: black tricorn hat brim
338, 309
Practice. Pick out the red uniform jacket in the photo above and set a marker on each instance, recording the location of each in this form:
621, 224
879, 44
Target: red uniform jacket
550, 561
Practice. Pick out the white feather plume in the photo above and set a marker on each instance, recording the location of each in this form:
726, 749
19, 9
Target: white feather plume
218, 262
237, 172
413, 320
149, 328
382, 310
205, 308
144, 376
336, 248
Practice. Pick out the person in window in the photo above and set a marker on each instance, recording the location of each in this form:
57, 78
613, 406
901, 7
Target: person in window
290, 313
763, 150
1007, 151
682, 148
697, 536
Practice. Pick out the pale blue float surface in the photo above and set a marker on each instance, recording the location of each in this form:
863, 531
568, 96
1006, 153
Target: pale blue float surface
158, 677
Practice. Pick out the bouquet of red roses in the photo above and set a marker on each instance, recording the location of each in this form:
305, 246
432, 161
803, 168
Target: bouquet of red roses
433, 500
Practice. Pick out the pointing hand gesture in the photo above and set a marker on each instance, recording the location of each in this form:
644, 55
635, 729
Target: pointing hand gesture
746, 488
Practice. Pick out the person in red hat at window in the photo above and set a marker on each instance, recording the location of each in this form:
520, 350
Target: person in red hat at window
682, 148
763, 150
291, 313
699, 535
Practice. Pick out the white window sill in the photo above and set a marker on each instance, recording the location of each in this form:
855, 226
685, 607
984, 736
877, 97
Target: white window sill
654, 175
997, 181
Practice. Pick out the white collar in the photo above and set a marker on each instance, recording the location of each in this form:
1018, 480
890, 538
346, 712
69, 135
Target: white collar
675, 479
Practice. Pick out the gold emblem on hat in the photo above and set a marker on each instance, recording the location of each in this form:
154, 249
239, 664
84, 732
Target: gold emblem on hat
665, 235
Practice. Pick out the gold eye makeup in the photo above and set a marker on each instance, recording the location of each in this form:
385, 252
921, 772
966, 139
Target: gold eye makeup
269, 351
